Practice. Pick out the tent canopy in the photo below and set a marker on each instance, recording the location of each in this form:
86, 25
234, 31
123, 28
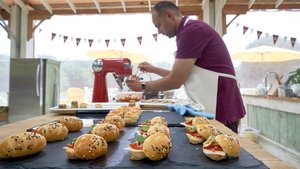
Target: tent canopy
266, 54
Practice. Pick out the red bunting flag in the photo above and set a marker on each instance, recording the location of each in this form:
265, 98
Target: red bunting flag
258, 34
78, 41
140, 39
107, 42
293, 41
123, 41
155, 36
245, 28
275, 38
91, 42
53, 36
65, 38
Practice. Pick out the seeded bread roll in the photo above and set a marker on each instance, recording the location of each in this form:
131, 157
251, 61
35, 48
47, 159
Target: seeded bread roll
20, 145
206, 130
87, 147
53, 131
221, 146
108, 131
116, 120
158, 128
157, 146
159, 120
199, 120
71, 122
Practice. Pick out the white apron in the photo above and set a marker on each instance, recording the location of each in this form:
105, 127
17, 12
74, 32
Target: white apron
202, 87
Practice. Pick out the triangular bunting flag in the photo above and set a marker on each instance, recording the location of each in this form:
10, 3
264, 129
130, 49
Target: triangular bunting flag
65, 38
285, 38
275, 37
91, 42
267, 35
77, 41
140, 38
258, 34
123, 41
53, 36
293, 41
155, 36
245, 28
107, 42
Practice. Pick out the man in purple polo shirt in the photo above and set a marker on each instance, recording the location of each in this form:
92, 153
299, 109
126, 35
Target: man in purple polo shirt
202, 64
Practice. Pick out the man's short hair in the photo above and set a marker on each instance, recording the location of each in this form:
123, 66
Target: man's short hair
161, 6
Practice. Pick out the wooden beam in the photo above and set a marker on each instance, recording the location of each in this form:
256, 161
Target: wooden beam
97, 4
185, 10
47, 6
72, 6
123, 5
278, 2
4, 6
149, 5
251, 2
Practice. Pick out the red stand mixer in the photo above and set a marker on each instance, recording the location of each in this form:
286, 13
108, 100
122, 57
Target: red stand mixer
120, 67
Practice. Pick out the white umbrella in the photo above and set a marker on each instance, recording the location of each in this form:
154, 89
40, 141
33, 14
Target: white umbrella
266, 54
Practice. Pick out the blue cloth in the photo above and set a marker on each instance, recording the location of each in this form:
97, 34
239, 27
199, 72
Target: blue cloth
188, 110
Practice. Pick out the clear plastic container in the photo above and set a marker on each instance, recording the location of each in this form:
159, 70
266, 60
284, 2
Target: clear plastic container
127, 96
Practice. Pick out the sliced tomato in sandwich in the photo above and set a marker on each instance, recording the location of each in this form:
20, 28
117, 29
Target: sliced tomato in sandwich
193, 133
213, 148
136, 147
71, 145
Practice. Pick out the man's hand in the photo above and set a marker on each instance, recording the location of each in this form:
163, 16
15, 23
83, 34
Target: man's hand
146, 67
134, 85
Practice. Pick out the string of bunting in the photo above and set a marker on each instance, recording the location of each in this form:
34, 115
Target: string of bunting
274, 36
91, 41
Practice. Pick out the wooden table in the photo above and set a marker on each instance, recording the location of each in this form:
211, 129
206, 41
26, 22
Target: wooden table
254, 149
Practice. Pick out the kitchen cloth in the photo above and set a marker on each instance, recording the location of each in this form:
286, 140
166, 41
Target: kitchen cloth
189, 110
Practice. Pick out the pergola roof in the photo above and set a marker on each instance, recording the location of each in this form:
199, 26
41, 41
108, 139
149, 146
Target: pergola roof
46, 8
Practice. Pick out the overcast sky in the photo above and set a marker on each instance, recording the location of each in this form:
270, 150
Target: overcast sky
116, 27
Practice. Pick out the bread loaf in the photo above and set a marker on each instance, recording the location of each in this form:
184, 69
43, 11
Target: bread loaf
71, 122
53, 131
20, 145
